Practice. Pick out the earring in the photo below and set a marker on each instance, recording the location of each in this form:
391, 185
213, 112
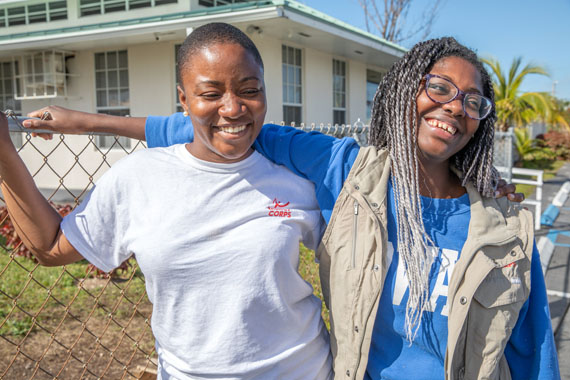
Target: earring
185, 113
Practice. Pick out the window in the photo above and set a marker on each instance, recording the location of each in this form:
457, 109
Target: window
97, 7
292, 84
218, 3
177, 79
339, 92
112, 90
8, 70
57, 10
16, 16
134, 4
42, 74
34, 13
37, 13
114, 6
373, 78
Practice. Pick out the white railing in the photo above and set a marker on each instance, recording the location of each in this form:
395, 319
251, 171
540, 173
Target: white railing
537, 202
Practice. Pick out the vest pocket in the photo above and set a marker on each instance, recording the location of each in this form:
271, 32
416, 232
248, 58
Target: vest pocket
502, 286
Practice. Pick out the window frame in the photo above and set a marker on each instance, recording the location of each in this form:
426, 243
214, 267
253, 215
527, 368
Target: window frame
219, 3
294, 87
177, 104
377, 78
118, 110
125, 6
17, 137
50, 12
339, 65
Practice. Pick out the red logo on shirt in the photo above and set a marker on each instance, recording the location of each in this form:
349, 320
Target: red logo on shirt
278, 209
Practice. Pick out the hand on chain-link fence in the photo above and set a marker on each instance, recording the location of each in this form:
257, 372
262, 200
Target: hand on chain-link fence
69, 322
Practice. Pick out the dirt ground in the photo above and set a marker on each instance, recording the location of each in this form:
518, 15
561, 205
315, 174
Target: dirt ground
98, 346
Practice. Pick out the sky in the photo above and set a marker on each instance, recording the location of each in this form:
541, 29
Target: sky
537, 31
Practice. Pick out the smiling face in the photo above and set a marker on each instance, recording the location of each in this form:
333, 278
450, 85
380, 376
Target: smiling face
224, 93
445, 129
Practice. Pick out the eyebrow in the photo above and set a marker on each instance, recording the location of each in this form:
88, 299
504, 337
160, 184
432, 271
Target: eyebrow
218, 83
469, 90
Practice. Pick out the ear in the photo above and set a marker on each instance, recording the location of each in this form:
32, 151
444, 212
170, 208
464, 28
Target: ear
182, 98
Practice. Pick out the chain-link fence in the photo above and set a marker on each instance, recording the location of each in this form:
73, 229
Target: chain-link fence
70, 322
74, 322
503, 156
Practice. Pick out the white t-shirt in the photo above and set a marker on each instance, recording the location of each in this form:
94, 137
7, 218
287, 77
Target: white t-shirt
219, 247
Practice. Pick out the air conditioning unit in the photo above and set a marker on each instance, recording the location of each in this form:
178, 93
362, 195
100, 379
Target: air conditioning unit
41, 74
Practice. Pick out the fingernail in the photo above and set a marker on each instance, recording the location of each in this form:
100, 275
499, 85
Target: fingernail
497, 193
27, 123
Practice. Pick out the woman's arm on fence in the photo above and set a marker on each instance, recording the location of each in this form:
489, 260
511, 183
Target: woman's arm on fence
35, 221
63, 120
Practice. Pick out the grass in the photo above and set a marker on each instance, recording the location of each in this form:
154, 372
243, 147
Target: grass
309, 270
31, 293
550, 168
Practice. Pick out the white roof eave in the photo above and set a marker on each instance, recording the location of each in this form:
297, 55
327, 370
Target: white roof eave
341, 33
50, 40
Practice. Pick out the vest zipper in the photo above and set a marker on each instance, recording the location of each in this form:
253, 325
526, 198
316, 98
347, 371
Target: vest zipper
354, 232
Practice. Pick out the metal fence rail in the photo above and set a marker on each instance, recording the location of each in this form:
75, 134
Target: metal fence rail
524, 176
73, 322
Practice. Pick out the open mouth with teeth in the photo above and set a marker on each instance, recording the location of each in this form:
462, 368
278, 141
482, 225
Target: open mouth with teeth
441, 125
232, 129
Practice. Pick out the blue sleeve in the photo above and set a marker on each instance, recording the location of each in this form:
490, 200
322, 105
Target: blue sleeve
168, 130
531, 350
322, 159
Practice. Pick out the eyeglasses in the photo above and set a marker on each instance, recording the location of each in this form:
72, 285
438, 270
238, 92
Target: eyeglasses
441, 90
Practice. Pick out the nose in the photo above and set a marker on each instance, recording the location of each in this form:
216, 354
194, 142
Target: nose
232, 106
455, 107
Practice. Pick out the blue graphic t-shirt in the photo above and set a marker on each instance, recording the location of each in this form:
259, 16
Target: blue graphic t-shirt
391, 355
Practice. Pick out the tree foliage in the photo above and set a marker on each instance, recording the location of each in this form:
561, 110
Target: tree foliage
559, 115
389, 19
524, 144
516, 108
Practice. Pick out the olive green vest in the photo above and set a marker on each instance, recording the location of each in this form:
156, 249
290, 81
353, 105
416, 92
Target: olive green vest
489, 284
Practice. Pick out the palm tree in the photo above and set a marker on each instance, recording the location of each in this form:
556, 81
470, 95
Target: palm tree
559, 115
513, 107
524, 144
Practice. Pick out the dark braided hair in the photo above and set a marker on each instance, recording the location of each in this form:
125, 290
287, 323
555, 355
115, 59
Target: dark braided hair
210, 34
394, 127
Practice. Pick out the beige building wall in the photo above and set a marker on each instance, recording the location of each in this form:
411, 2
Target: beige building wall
270, 50
152, 79
356, 92
317, 87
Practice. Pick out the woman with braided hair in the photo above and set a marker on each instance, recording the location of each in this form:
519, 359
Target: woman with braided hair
426, 275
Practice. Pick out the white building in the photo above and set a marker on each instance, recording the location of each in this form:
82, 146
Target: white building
118, 56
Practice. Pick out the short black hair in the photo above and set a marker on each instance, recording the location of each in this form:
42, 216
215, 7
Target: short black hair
214, 33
